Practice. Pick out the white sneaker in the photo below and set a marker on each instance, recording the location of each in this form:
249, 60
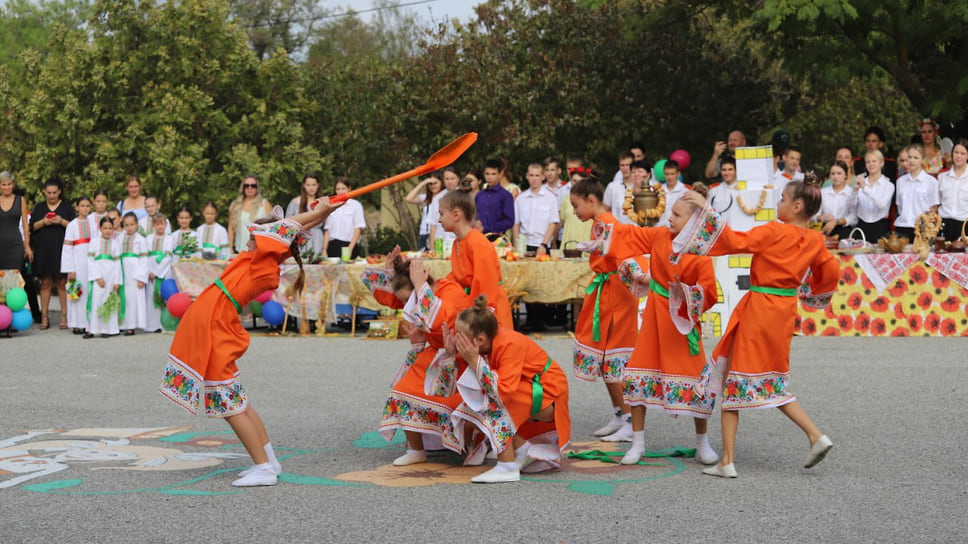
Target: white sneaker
725, 471
412, 457
276, 467
496, 476
257, 477
622, 434
610, 427
818, 451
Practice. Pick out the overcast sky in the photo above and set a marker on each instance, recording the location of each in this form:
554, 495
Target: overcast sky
426, 9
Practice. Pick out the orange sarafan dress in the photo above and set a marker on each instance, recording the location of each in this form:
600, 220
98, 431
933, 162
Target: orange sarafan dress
752, 361
210, 337
475, 266
409, 406
499, 398
605, 332
668, 359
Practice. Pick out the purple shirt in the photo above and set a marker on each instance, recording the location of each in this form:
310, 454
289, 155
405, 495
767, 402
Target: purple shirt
495, 209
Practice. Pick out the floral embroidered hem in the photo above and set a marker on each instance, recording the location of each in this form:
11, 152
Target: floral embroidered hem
674, 394
410, 413
591, 364
181, 384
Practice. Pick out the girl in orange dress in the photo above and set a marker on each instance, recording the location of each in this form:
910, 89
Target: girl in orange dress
210, 338
513, 393
751, 364
603, 337
668, 358
423, 415
474, 263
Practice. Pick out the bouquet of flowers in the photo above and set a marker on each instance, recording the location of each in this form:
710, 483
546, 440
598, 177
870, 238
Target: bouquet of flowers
74, 290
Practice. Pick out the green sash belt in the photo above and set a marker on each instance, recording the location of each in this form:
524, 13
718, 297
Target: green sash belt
220, 285
181, 251
778, 291
693, 336
596, 287
612, 456
537, 391
156, 295
158, 255
467, 290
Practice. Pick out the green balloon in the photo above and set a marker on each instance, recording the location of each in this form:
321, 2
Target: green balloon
256, 308
168, 321
16, 299
658, 171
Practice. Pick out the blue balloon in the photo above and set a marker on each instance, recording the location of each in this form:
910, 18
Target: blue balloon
273, 313
22, 319
168, 288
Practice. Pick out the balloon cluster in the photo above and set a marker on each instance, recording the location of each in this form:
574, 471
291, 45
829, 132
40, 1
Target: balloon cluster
176, 304
13, 314
682, 158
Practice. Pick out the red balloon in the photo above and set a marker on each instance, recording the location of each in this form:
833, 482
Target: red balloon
264, 297
681, 156
178, 304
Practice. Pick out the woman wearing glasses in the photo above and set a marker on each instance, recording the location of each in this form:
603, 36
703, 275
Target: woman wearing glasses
246, 208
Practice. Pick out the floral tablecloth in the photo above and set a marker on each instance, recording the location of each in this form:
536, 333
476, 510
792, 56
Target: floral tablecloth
322, 280
920, 301
525, 280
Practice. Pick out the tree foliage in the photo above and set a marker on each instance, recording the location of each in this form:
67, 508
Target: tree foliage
191, 95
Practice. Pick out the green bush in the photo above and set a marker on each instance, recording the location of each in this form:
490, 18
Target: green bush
382, 240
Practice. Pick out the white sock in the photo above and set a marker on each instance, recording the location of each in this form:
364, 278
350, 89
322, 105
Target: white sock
637, 449
617, 411
271, 454
707, 455
626, 418
523, 450
263, 467
503, 466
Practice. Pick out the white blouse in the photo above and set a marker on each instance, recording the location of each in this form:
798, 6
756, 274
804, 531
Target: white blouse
842, 205
954, 195
874, 200
344, 220
914, 197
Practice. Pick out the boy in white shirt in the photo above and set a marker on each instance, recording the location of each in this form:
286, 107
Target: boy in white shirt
674, 190
536, 220
791, 170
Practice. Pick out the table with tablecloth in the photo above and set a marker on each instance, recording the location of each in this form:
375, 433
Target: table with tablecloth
330, 283
894, 295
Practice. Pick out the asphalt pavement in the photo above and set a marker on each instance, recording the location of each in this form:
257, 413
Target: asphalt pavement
90, 452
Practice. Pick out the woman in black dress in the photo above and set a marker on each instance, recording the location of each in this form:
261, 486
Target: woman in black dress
48, 224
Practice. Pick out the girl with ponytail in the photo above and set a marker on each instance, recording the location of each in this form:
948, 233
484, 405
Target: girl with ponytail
513, 393
210, 338
667, 359
428, 305
750, 366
